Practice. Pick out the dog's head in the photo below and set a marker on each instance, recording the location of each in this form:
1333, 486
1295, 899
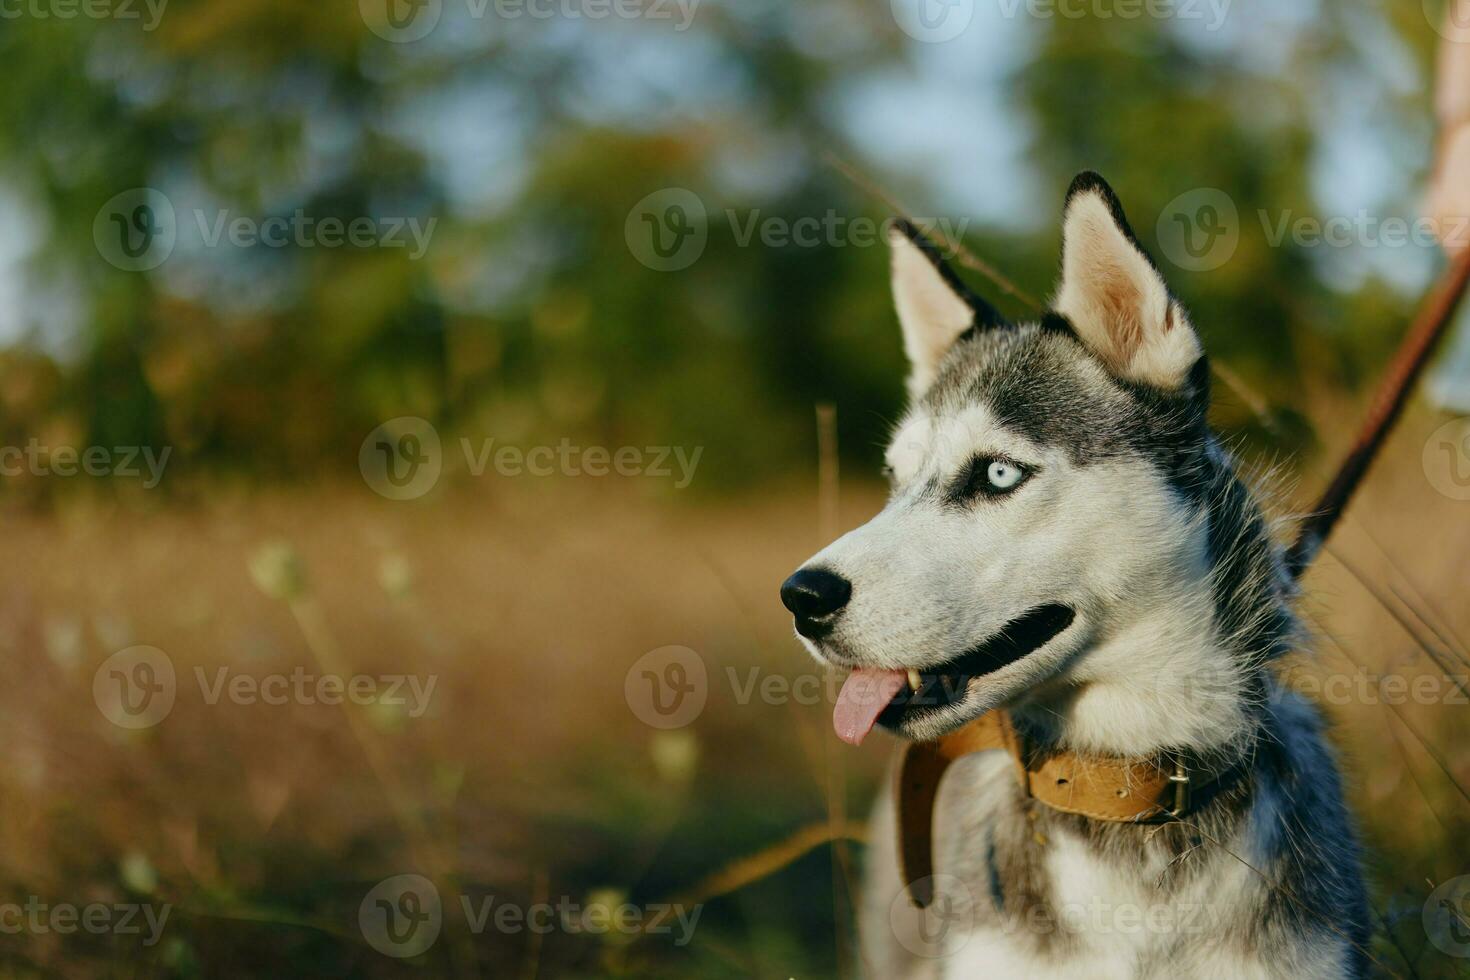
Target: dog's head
1046, 491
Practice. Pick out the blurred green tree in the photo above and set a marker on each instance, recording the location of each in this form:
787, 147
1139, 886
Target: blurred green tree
528, 317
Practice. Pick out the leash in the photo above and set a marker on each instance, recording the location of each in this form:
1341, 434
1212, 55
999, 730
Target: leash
1167, 787
1429, 326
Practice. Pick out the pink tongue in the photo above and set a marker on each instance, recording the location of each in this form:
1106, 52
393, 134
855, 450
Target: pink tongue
862, 699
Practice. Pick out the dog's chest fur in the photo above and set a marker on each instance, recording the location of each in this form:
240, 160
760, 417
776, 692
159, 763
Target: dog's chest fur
1241, 889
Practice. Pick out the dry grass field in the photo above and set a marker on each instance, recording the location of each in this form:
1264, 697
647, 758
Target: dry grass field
523, 776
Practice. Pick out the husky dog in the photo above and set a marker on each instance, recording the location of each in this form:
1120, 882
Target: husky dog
1067, 540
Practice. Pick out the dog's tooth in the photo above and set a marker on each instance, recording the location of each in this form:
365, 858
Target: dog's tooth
915, 681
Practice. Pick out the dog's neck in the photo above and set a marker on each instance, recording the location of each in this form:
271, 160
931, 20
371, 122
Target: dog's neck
1163, 682
1181, 662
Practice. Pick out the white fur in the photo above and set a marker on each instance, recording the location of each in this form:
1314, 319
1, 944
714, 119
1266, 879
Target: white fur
929, 312
930, 581
908, 447
1115, 914
1110, 540
1118, 920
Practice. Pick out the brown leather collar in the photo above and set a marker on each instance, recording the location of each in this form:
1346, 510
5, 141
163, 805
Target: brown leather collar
1102, 788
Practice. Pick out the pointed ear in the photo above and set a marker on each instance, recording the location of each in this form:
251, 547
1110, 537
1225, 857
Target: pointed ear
934, 307
1114, 296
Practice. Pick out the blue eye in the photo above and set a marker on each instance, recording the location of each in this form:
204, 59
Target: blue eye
1002, 475
991, 476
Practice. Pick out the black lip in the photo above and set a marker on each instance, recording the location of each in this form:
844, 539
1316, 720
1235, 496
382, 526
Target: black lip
813, 629
948, 683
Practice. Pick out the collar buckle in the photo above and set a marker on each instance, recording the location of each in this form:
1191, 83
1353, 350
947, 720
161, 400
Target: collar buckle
1181, 781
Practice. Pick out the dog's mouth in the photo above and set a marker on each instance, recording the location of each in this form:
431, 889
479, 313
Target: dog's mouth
893, 697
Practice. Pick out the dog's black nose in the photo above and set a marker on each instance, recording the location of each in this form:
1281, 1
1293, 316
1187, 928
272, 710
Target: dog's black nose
814, 596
